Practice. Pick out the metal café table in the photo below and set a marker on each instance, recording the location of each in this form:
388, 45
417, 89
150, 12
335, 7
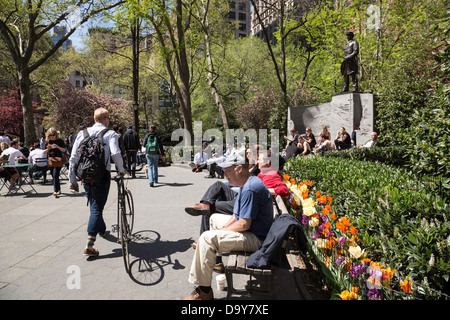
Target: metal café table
22, 169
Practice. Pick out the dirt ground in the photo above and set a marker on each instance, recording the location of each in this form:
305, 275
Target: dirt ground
312, 279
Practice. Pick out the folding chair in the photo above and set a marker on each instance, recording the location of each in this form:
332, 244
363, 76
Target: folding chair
5, 182
23, 169
63, 174
38, 166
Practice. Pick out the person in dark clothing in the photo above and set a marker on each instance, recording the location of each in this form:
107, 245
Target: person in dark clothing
118, 130
343, 140
153, 155
310, 138
54, 148
132, 145
25, 151
303, 146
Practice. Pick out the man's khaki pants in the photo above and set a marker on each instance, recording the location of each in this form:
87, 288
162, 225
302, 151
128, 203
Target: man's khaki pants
214, 242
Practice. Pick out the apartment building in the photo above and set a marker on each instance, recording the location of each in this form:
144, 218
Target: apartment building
269, 12
240, 14
58, 33
79, 80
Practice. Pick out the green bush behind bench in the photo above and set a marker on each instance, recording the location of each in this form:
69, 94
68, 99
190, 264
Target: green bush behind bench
400, 220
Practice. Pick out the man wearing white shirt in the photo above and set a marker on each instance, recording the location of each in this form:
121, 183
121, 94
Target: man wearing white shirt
200, 160
13, 152
4, 138
38, 153
212, 163
97, 191
372, 142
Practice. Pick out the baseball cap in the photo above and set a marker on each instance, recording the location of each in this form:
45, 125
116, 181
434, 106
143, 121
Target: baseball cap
232, 160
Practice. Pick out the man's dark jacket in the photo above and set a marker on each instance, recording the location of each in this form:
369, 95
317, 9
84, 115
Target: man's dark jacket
131, 141
271, 252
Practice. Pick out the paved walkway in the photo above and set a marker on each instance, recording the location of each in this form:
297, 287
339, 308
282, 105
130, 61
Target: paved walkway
42, 238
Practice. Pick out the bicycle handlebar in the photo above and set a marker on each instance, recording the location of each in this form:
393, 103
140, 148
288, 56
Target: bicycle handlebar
118, 177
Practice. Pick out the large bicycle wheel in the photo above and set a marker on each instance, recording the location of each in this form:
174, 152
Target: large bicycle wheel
128, 207
125, 238
129, 210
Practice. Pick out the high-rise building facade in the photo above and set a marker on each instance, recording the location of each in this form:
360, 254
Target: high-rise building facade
240, 13
269, 12
58, 33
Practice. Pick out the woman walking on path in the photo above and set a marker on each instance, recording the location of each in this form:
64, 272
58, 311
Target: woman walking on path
154, 149
55, 148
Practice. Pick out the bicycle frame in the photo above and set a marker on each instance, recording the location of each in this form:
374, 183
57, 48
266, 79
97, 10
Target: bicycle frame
125, 218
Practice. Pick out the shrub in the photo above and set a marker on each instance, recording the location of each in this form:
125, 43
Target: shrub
400, 222
256, 114
395, 156
429, 163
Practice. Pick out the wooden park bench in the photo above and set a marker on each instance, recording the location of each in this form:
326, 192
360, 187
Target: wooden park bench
236, 263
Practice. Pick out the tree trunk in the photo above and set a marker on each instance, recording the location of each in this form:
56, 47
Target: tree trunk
183, 68
135, 30
27, 107
185, 103
212, 85
211, 77
165, 31
283, 82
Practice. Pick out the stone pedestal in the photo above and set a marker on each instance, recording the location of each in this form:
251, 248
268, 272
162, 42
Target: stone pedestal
353, 111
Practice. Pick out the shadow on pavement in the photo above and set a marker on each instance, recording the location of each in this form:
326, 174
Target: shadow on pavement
152, 255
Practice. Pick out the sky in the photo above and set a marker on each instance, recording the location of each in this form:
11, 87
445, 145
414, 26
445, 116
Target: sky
81, 31
76, 37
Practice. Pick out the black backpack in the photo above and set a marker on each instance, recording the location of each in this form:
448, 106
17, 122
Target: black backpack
91, 160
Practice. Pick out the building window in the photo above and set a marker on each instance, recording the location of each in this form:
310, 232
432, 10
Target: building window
242, 6
242, 26
232, 15
242, 16
232, 4
77, 84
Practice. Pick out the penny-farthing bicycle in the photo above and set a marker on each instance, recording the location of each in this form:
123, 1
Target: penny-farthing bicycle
125, 218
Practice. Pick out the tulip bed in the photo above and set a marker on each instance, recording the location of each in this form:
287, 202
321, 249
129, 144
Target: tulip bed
375, 231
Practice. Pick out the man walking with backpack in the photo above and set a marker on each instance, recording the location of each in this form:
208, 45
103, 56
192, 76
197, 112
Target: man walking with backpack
153, 148
132, 145
90, 162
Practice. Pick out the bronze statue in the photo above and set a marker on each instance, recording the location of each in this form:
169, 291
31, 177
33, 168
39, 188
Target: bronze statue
350, 65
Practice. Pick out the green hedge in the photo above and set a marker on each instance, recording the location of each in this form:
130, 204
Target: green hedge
388, 155
399, 156
400, 220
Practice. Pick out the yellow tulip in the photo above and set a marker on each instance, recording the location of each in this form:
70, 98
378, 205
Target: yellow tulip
308, 202
356, 251
303, 188
309, 211
320, 243
313, 222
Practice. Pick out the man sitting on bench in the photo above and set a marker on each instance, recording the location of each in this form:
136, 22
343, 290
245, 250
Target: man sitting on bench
245, 230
